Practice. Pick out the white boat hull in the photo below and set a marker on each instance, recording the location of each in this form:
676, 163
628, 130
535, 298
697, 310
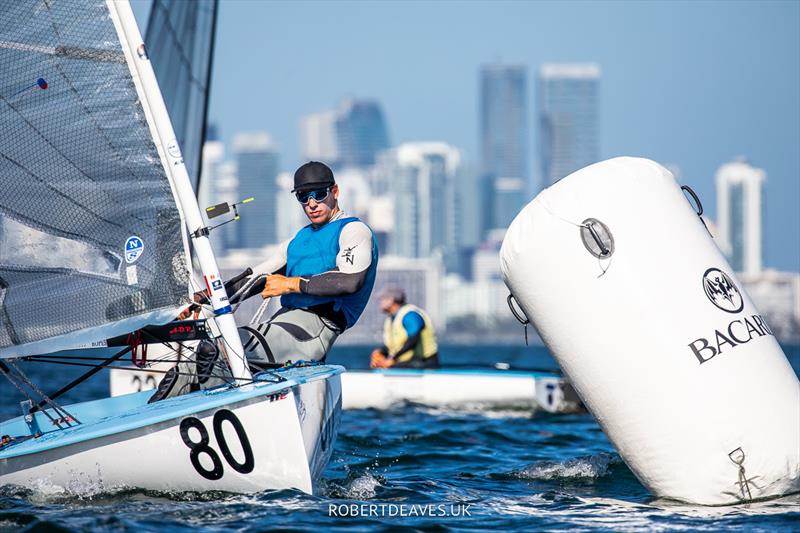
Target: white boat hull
382, 389
280, 439
457, 388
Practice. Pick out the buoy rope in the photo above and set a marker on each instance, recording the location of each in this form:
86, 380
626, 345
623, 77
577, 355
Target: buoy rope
743, 482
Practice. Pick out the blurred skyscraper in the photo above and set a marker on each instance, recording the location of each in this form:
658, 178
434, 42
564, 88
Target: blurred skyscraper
290, 215
213, 154
318, 137
360, 132
226, 188
349, 137
740, 215
504, 140
510, 196
257, 169
568, 118
422, 179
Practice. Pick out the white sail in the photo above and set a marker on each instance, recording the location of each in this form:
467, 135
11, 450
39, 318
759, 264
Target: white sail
91, 237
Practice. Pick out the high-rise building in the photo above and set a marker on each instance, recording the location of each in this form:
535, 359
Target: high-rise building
510, 196
740, 215
504, 136
226, 189
360, 132
208, 188
423, 185
355, 195
504, 121
257, 169
568, 104
213, 155
291, 216
318, 137
349, 137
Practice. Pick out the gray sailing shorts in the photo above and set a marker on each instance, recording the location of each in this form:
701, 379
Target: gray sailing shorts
290, 335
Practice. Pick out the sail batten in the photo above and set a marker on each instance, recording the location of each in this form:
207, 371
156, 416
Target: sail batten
72, 52
92, 242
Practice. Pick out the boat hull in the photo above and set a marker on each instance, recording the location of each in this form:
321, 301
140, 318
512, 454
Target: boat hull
384, 388
381, 389
245, 440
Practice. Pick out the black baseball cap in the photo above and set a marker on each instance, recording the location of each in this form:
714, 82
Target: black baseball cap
313, 175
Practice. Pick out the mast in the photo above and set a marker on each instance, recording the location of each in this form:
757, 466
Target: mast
164, 137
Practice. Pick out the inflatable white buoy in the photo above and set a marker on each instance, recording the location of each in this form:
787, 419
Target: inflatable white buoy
629, 292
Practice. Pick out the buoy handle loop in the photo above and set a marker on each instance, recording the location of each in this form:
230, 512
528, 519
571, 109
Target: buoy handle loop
604, 251
699, 206
510, 300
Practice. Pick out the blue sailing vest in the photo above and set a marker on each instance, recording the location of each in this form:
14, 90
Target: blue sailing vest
313, 251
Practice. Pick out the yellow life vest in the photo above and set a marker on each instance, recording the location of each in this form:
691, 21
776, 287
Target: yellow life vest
395, 335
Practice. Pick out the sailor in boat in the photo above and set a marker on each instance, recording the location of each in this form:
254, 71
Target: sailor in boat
323, 276
409, 339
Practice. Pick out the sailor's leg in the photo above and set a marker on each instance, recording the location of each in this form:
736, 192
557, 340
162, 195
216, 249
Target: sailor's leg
180, 379
290, 335
212, 368
201, 368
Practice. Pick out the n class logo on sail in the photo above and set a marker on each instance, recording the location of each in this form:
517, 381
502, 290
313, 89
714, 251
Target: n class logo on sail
721, 291
133, 248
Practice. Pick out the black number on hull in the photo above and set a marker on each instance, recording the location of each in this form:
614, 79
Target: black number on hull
249, 461
202, 446
199, 448
149, 383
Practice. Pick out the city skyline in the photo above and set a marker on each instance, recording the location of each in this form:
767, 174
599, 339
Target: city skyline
680, 97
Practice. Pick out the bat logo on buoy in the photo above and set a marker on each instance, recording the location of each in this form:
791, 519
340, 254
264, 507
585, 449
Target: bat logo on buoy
721, 290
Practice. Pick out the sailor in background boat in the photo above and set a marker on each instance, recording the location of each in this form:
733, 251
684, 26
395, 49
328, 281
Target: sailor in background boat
324, 276
409, 339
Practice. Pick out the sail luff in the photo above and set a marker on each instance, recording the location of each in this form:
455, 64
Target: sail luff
152, 102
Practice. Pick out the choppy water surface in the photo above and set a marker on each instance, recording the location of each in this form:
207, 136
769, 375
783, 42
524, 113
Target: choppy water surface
500, 469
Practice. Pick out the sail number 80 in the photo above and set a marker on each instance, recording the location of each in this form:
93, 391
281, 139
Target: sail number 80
202, 447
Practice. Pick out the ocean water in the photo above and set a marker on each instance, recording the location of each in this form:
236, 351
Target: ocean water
413, 467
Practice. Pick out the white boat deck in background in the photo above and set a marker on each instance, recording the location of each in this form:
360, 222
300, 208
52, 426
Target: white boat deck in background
445, 387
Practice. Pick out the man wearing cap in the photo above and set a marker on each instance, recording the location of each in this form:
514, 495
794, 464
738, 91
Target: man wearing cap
409, 340
323, 276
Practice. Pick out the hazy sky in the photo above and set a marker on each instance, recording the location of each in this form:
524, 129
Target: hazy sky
690, 84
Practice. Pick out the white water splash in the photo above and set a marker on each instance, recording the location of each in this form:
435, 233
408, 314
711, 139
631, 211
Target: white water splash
593, 466
81, 485
362, 488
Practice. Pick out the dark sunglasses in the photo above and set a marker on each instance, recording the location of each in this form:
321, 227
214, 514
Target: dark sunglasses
318, 195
